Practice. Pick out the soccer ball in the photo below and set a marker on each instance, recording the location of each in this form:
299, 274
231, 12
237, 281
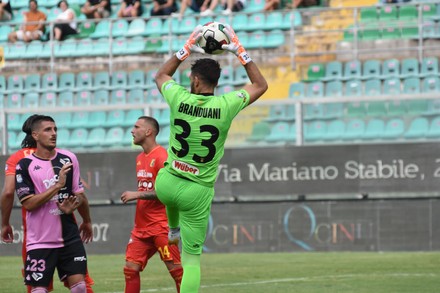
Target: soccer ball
213, 38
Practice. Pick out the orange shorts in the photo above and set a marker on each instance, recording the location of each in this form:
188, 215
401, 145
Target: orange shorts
140, 250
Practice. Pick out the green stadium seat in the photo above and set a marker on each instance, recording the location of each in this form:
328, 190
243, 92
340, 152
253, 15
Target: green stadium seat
66, 98
119, 79
115, 118
153, 26
114, 137
31, 100
120, 46
353, 88
85, 29
118, 97
49, 82
101, 80
409, 68
297, 90
352, 70
260, 131
95, 138
32, 82
434, 128
370, 32
135, 28
77, 138
429, 11
335, 130
48, 100
101, 97
120, 28
388, 13
431, 84
356, 109
274, 21
152, 46
131, 117
14, 101
374, 129
408, 13
429, 67
136, 97
391, 86
368, 14
355, 130
315, 130
15, 83
66, 81
136, 79
97, 119
390, 68
411, 85
377, 109
410, 30
278, 132
315, 90
13, 121
371, 69
391, 32
315, 72
102, 30
80, 119
373, 87
84, 98
333, 71
417, 129
334, 88
394, 128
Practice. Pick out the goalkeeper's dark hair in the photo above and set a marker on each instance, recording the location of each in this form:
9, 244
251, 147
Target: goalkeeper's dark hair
153, 122
31, 123
207, 70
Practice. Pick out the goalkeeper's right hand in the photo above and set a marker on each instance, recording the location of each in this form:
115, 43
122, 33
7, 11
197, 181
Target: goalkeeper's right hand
191, 44
235, 46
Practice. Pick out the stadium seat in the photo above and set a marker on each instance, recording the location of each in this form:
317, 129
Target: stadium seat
223, 89
101, 47
355, 130
429, 67
35, 50
31, 100
333, 71
49, 81
333, 89
274, 39
278, 132
184, 77
119, 79
153, 96
15, 51
373, 87
388, 13
136, 45
240, 76
85, 47
392, 86
371, 69
150, 78
315, 90
391, 32
164, 136
2, 84
101, 80
95, 138
4, 32
102, 29
66, 99
315, 130
276, 113
84, 80
353, 88
115, 118
397, 108
80, 119
118, 97
153, 26
315, 72
86, 28
63, 119
260, 131
297, 90
119, 28
14, 101
114, 137
410, 68
77, 138
32, 82
131, 117
374, 129
136, 96
226, 75
66, 48
417, 129
120, 46
256, 21
67, 81
333, 110
97, 119
136, 78
48, 99
240, 22
356, 109
13, 121
352, 70
431, 84
257, 40
368, 14
15, 83
292, 19
411, 85
394, 128
164, 117
390, 68
335, 130
377, 109
101, 97
274, 21
84, 98
63, 138
434, 128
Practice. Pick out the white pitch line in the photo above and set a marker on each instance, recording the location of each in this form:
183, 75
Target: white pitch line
287, 280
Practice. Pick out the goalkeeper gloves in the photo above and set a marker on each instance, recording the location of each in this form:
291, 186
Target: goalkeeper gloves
235, 46
191, 44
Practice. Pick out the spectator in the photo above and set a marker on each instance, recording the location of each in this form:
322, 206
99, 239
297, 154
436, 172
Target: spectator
130, 8
163, 7
33, 26
205, 7
97, 9
230, 6
65, 22
5, 10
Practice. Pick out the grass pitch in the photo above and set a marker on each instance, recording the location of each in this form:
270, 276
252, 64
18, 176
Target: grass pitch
267, 272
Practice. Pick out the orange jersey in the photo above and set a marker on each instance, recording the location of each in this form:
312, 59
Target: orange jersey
13, 160
151, 217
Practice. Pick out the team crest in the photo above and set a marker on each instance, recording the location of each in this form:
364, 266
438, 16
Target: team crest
153, 161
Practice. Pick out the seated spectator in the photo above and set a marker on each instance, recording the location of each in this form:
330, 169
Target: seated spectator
5, 10
205, 7
33, 25
65, 22
230, 6
130, 8
97, 9
163, 7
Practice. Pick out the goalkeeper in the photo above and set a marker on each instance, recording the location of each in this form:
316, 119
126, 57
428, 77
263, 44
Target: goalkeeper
200, 122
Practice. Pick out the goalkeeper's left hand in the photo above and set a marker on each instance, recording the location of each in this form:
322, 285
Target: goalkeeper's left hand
191, 44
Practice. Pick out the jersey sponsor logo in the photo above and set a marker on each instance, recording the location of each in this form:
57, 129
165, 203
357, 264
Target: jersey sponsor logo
181, 166
37, 276
18, 178
55, 212
145, 185
50, 182
64, 161
144, 174
23, 191
79, 258
37, 168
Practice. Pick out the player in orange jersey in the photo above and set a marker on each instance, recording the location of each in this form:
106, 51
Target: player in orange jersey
7, 197
150, 232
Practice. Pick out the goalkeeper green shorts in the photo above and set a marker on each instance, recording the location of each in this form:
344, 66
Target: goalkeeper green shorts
190, 203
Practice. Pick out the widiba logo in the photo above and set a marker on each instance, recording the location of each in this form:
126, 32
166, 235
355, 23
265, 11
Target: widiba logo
80, 258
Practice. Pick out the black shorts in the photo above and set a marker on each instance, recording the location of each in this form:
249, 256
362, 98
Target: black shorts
41, 263
66, 29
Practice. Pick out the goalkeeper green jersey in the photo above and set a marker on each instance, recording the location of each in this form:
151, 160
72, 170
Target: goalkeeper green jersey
199, 125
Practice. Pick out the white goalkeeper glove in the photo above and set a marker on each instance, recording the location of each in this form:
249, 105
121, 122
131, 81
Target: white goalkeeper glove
191, 44
235, 46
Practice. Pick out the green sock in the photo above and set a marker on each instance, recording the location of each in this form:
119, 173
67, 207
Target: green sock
191, 273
